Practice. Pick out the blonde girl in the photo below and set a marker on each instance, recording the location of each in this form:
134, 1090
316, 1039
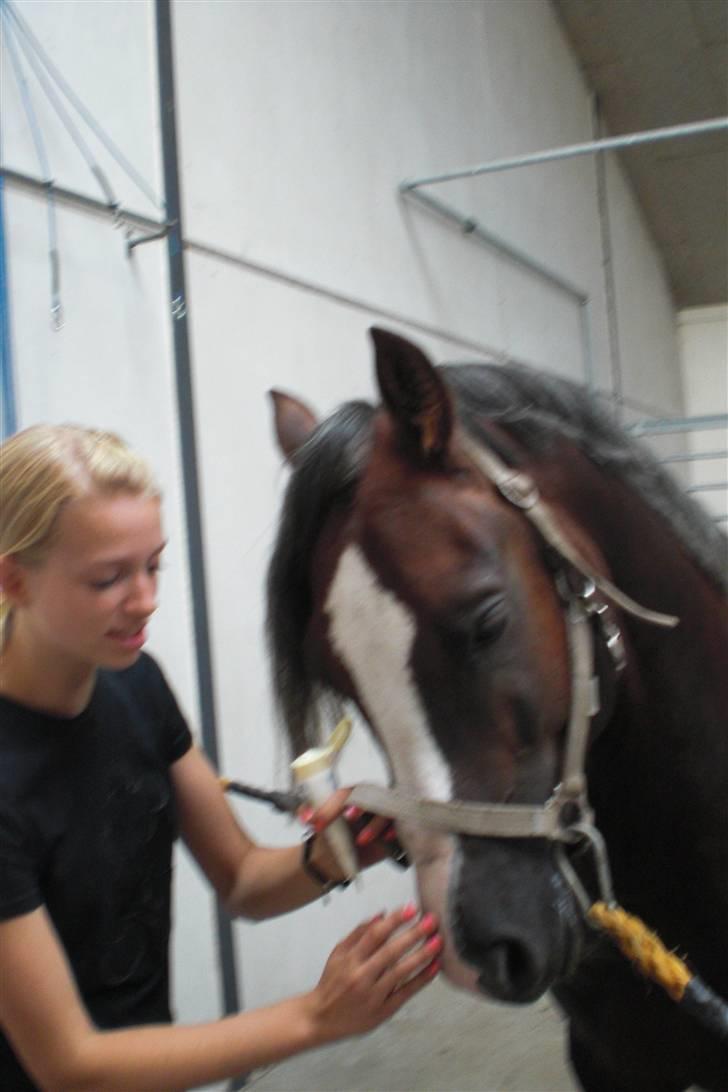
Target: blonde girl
98, 776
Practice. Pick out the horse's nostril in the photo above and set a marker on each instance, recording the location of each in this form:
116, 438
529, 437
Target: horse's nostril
509, 968
508, 971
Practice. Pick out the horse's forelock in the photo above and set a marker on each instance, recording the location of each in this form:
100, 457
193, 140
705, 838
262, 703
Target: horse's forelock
326, 470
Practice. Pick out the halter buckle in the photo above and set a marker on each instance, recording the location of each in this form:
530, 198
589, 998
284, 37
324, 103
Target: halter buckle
519, 489
598, 608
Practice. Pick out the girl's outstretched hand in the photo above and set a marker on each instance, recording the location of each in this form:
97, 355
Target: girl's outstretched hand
375, 837
373, 972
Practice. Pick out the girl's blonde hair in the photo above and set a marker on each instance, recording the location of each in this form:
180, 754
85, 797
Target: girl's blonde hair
44, 467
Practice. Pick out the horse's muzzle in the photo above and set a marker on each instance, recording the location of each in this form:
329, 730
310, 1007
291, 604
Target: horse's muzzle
514, 919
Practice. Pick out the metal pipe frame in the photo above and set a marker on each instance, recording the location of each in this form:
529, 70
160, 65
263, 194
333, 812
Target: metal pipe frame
693, 456
669, 427
706, 423
469, 225
659, 426
8, 416
160, 229
707, 487
411, 189
569, 151
186, 410
73, 199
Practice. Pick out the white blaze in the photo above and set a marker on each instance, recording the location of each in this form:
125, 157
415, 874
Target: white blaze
373, 634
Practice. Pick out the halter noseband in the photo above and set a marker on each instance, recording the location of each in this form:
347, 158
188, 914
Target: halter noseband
567, 809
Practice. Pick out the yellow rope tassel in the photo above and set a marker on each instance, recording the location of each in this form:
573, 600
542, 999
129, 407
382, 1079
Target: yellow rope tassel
643, 947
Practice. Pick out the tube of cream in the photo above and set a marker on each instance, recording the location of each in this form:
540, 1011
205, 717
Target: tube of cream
314, 772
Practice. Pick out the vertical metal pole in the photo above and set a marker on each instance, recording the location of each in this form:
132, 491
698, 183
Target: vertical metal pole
188, 444
8, 422
610, 287
587, 351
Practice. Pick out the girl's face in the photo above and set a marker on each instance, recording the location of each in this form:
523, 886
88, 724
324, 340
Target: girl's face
89, 600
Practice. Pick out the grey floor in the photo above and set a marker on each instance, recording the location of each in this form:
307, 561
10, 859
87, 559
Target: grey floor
443, 1041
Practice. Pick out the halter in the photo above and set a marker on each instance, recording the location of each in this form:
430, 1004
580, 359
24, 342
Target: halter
566, 814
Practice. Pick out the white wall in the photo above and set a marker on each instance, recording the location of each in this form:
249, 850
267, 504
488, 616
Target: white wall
703, 339
296, 122
111, 364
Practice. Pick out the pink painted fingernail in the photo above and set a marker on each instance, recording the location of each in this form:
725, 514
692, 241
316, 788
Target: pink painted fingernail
305, 815
428, 922
434, 944
366, 836
352, 813
409, 911
434, 968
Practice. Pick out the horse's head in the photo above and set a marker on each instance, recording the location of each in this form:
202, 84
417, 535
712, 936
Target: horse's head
409, 585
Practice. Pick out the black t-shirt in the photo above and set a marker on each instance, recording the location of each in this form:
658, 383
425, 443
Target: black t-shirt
87, 823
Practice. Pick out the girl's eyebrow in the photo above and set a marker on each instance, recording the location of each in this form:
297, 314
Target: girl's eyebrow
110, 561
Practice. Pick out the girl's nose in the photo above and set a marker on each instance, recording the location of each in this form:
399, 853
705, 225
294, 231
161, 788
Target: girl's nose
142, 598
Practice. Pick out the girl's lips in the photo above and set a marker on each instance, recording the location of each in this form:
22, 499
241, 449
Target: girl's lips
131, 641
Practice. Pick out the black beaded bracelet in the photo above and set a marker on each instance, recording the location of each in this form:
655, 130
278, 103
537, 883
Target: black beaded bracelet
325, 882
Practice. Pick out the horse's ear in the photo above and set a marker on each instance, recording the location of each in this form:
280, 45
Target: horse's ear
294, 422
414, 393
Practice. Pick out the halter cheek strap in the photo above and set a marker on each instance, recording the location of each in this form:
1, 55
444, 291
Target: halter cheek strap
521, 490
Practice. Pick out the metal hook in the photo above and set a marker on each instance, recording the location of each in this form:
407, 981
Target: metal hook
590, 834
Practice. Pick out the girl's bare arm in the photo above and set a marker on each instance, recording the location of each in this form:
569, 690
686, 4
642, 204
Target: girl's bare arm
367, 978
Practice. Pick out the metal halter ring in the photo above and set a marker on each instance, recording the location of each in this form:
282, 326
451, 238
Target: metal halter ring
581, 832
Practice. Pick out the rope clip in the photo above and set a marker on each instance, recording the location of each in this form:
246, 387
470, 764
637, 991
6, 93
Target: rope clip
585, 835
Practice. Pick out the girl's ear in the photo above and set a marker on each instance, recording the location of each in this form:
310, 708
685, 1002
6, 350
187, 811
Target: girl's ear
13, 580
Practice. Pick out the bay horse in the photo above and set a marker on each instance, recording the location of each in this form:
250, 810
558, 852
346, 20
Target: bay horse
405, 581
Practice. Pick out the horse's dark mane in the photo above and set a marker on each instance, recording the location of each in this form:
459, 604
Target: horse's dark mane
536, 408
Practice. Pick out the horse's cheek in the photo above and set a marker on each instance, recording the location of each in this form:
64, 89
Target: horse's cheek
433, 856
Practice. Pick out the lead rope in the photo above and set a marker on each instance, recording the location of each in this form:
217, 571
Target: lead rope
642, 947
639, 943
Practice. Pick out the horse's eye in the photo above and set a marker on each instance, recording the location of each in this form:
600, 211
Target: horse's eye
489, 623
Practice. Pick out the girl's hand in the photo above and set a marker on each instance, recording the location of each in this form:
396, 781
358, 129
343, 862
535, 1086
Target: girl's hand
375, 837
373, 972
